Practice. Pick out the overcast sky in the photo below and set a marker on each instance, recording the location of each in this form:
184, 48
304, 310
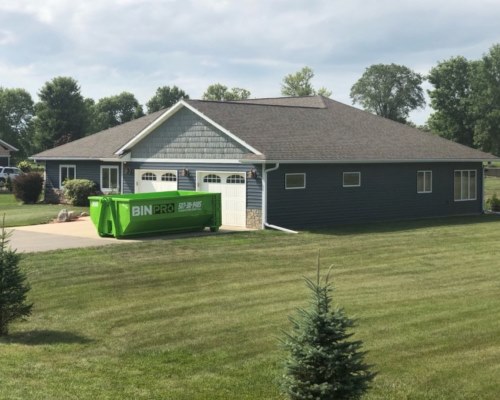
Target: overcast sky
110, 46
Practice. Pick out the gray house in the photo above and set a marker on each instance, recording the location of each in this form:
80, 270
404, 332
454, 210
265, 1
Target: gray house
291, 162
5, 153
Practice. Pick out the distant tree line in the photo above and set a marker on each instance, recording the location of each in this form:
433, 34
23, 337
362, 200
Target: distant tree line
465, 100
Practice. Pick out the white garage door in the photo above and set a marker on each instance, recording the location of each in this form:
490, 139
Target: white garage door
147, 180
232, 187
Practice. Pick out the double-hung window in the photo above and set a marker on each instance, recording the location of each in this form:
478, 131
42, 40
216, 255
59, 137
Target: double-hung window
424, 181
109, 179
465, 185
66, 172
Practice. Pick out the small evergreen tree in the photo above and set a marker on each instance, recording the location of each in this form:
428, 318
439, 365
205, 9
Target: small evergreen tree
13, 286
322, 363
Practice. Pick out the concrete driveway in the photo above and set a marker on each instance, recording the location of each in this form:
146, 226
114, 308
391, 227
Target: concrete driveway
54, 236
76, 234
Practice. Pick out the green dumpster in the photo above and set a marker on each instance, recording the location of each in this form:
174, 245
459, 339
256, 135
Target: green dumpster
146, 213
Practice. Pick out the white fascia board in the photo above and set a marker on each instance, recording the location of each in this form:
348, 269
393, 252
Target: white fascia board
75, 159
221, 128
8, 146
169, 113
151, 127
186, 160
361, 161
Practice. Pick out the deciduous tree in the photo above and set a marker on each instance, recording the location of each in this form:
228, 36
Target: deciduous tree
452, 99
16, 119
299, 84
115, 110
219, 92
391, 91
165, 97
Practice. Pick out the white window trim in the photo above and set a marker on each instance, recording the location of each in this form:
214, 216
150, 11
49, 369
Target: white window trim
298, 187
424, 172
468, 183
107, 190
351, 172
61, 166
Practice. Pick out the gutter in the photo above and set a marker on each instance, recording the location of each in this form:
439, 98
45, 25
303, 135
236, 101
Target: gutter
265, 224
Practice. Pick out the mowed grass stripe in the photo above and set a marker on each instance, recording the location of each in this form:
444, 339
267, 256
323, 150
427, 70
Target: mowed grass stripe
201, 318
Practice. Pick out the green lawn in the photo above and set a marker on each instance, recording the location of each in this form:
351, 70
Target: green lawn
201, 318
17, 214
491, 186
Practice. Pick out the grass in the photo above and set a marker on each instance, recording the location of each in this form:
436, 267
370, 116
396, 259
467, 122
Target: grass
201, 318
491, 186
18, 214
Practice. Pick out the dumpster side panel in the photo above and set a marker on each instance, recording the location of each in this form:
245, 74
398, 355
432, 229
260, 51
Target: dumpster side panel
146, 213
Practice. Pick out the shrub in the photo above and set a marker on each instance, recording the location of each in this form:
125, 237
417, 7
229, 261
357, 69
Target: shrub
28, 187
24, 166
13, 286
77, 191
323, 363
493, 203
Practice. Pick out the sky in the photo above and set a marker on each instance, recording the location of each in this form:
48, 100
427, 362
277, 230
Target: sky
111, 46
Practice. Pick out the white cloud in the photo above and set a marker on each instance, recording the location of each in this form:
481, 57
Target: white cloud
137, 45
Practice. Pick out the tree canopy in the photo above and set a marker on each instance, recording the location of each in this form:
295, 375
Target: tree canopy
389, 90
466, 100
115, 110
165, 97
60, 114
452, 100
299, 84
219, 92
16, 119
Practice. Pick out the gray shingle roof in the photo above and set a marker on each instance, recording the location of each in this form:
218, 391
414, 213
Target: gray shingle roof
311, 128
102, 144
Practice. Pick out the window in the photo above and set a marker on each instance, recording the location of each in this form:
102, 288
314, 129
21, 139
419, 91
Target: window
351, 179
211, 178
235, 179
424, 181
109, 179
465, 185
148, 176
66, 172
168, 177
295, 181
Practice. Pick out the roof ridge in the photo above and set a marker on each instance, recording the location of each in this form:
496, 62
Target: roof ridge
255, 102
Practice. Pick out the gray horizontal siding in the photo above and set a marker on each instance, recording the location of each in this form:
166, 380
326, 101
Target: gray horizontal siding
388, 191
84, 170
186, 135
254, 185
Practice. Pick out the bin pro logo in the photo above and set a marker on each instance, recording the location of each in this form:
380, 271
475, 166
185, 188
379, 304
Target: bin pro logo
153, 209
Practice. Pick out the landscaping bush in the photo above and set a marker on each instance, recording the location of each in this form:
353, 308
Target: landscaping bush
24, 166
28, 187
77, 191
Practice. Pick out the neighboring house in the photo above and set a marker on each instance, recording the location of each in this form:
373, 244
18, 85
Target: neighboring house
5, 153
291, 162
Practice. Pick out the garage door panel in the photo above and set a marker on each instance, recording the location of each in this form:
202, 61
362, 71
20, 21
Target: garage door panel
232, 188
155, 180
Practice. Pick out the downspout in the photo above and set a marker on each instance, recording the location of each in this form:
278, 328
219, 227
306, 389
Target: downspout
265, 224
121, 184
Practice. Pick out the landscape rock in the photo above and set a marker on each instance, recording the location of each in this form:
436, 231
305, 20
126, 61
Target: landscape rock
63, 216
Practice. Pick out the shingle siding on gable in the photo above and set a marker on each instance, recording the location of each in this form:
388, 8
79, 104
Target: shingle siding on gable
186, 135
387, 191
